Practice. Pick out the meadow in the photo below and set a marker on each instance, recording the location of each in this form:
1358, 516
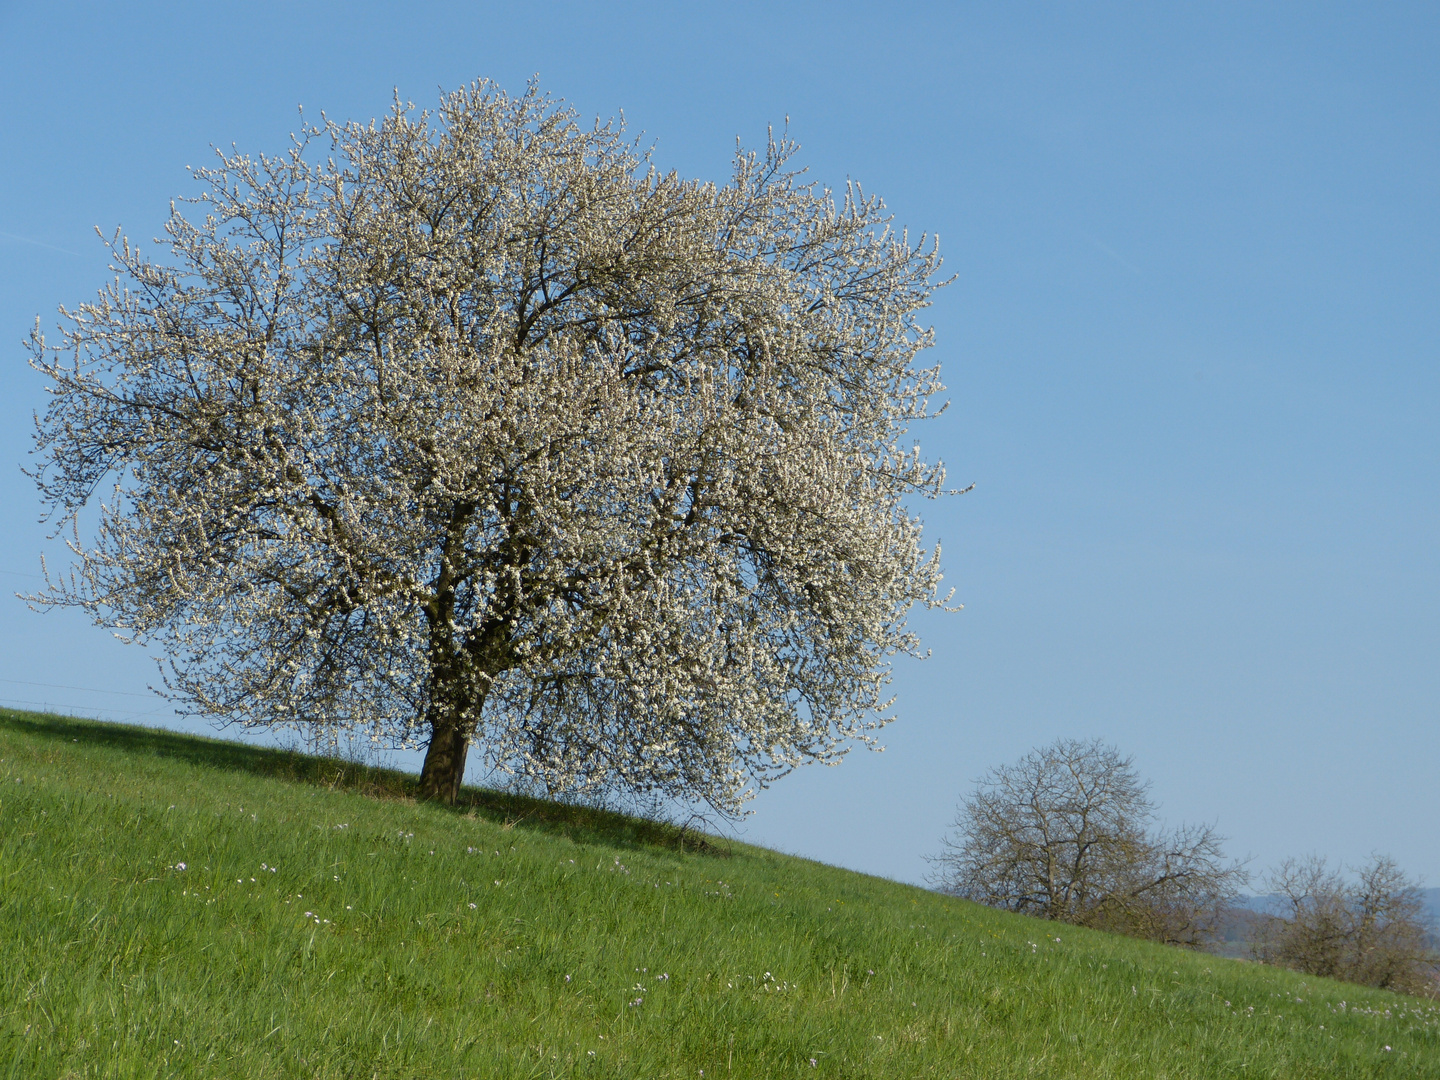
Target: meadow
175, 906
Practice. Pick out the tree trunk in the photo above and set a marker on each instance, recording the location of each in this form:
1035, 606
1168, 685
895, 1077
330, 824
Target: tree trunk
444, 766
455, 700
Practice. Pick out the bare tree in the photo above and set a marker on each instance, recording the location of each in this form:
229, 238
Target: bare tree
1370, 930
482, 430
1064, 834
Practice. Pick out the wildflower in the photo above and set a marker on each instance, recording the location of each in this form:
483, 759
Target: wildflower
812, 1063
472, 908
179, 866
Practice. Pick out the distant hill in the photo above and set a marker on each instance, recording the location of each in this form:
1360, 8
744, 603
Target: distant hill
1272, 903
1432, 906
1234, 940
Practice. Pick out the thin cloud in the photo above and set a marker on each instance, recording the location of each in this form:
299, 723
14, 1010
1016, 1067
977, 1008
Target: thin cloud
1108, 250
39, 243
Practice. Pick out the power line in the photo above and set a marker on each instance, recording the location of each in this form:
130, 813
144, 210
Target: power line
77, 710
86, 689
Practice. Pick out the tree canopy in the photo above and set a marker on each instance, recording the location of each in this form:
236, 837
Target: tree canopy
1065, 833
1370, 929
478, 428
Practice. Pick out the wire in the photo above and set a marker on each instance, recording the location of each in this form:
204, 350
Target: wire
86, 689
78, 710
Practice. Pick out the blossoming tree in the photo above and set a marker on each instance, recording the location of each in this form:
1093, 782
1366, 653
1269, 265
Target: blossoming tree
479, 430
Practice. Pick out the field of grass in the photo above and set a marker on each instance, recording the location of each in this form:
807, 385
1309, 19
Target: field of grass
183, 907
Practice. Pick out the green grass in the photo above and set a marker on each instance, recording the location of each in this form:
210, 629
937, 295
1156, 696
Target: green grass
510, 938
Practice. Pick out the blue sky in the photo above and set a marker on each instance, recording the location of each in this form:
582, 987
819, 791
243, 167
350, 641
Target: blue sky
1190, 350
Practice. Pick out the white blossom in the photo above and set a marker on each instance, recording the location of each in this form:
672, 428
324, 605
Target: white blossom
478, 428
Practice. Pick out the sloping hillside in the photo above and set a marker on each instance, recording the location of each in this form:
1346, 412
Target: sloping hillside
184, 907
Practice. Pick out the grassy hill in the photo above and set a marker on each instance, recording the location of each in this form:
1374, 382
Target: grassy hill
177, 906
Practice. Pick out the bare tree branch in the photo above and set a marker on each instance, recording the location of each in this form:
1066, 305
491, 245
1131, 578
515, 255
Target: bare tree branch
1064, 834
1370, 930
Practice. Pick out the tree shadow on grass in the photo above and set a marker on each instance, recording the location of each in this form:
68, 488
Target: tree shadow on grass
581, 822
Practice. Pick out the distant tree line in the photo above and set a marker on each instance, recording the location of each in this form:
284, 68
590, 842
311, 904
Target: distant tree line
1067, 833
1370, 930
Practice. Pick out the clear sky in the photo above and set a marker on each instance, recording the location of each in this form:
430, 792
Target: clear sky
1190, 350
